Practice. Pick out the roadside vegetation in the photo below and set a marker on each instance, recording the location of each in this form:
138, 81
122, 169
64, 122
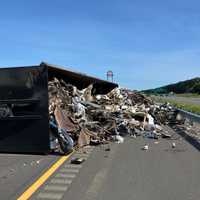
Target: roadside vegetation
188, 89
181, 105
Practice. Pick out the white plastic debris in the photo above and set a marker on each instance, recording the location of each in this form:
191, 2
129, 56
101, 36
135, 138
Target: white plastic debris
98, 97
54, 144
120, 96
133, 136
117, 108
150, 119
117, 91
124, 107
173, 145
158, 128
80, 110
119, 139
146, 147
133, 109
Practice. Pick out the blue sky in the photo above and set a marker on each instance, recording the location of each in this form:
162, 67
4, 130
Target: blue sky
146, 43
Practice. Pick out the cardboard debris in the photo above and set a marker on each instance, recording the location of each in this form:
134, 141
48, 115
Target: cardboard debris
84, 139
94, 119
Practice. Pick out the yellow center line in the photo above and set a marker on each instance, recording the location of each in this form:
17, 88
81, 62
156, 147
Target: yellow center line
34, 187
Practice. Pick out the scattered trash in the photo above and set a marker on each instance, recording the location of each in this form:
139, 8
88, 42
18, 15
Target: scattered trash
77, 161
119, 139
165, 135
146, 147
81, 118
108, 149
65, 141
151, 135
134, 136
94, 142
173, 145
84, 139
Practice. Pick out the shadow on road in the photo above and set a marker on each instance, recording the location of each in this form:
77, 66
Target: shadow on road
187, 137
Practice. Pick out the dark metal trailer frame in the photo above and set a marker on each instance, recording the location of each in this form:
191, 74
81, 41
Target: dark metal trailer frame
24, 117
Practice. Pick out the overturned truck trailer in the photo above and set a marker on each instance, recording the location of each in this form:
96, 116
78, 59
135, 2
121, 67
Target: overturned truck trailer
24, 114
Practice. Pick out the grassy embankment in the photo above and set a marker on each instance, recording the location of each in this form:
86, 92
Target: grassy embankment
182, 105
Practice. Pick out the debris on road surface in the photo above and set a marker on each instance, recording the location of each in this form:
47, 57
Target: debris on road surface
108, 149
118, 139
146, 147
133, 136
77, 161
66, 143
173, 145
81, 117
65, 109
166, 135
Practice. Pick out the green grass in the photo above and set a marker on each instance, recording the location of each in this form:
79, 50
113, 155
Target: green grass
185, 106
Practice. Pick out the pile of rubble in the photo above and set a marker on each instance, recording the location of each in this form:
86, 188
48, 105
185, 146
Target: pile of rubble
79, 118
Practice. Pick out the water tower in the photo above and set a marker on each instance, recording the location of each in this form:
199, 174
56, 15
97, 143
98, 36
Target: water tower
110, 75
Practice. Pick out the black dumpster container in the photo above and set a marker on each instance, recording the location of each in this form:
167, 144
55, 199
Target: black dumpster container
24, 124
24, 110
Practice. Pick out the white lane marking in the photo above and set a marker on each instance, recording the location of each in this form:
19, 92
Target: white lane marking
96, 185
73, 166
49, 195
58, 188
61, 181
70, 170
100, 177
62, 175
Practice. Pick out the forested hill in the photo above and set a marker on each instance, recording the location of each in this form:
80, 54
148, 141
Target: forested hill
188, 86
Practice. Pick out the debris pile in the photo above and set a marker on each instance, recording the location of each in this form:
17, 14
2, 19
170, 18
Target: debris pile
78, 117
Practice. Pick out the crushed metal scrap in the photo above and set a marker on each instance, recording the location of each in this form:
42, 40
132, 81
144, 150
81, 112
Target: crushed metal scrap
80, 117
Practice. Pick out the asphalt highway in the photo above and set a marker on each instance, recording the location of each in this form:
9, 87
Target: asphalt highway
18, 171
189, 100
126, 172
129, 173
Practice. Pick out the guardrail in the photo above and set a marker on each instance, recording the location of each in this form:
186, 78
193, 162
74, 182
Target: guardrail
191, 116
194, 118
